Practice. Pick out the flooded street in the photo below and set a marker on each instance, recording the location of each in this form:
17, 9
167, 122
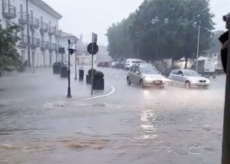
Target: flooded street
132, 125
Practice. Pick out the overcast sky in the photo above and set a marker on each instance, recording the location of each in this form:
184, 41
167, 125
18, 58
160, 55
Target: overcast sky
87, 16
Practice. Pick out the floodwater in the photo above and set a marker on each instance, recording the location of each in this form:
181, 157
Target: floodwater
171, 126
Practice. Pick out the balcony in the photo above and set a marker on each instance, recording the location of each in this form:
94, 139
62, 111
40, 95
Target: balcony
52, 30
23, 20
52, 47
23, 42
44, 27
35, 43
8, 11
34, 23
45, 45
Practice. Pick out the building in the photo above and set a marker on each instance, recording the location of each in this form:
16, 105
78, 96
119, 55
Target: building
63, 42
39, 31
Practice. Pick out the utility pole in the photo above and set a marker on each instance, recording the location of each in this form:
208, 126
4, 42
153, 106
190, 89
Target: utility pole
198, 48
28, 30
75, 59
226, 125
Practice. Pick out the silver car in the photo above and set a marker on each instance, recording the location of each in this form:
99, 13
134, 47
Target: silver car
145, 76
188, 78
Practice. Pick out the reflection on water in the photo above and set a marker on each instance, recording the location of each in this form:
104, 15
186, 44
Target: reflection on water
147, 119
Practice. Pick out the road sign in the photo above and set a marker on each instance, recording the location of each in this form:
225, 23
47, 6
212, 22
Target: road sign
92, 48
94, 38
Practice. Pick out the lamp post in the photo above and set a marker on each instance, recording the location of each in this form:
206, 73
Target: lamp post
226, 124
70, 52
75, 61
198, 48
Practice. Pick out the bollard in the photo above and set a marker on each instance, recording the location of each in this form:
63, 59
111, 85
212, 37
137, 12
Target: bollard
81, 75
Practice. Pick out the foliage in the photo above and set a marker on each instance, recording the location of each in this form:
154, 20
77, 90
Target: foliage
9, 58
90, 71
98, 74
137, 35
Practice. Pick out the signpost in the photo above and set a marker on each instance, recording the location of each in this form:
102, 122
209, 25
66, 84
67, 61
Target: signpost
92, 48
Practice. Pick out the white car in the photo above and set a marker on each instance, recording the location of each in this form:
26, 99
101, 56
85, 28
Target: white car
145, 76
188, 78
130, 62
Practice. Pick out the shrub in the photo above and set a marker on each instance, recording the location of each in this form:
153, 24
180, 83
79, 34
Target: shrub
90, 71
9, 68
98, 74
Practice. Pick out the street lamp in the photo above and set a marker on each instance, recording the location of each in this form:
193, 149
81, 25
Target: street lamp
71, 51
198, 47
75, 61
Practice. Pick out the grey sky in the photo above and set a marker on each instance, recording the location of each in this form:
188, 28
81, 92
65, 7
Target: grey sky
87, 16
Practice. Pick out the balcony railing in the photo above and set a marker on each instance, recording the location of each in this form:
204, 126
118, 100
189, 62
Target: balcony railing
52, 30
44, 27
45, 45
35, 42
23, 18
34, 22
8, 11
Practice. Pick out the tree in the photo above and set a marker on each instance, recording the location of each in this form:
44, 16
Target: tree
172, 36
9, 58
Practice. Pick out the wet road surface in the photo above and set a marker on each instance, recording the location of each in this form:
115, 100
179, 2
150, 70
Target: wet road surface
133, 125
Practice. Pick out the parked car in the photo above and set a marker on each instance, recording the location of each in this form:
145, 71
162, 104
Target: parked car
130, 62
120, 65
103, 64
188, 78
167, 71
145, 76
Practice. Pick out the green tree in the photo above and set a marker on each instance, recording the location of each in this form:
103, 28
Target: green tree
172, 36
9, 58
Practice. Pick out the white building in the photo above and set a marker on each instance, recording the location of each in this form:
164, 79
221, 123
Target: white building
39, 29
63, 42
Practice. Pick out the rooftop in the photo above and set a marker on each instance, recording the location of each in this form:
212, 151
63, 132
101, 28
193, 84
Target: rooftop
44, 6
67, 35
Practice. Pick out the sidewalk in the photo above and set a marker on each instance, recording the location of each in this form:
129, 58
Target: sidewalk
42, 86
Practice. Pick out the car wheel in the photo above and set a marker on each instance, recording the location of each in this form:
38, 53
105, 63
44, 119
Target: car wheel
187, 85
128, 81
141, 83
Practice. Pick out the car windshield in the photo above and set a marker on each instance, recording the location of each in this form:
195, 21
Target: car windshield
138, 62
148, 70
190, 73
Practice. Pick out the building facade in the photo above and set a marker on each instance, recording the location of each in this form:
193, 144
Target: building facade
63, 42
39, 32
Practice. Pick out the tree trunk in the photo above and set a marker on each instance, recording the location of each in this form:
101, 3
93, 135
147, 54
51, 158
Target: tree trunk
173, 60
186, 63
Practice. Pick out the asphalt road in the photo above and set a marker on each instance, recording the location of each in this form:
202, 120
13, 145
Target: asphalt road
132, 125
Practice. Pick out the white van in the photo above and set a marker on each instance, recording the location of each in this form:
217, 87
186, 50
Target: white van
130, 62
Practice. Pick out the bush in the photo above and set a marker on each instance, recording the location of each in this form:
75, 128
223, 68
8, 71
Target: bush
9, 68
90, 71
56, 64
98, 75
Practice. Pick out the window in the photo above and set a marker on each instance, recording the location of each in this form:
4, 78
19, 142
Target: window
180, 72
133, 69
21, 8
174, 72
137, 69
